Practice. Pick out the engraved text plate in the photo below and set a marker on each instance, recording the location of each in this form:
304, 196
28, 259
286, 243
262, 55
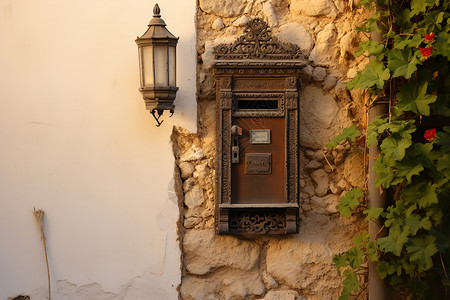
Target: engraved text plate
258, 163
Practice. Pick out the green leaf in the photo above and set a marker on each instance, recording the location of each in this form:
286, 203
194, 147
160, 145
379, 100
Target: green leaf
426, 156
432, 22
373, 212
420, 6
385, 174
374, 75
349, 201
372, 137
443, 139
423, 194
372, 251
354, 257
354, 83
396, 214
351, 284
442, 235
403, 17
361, 239
408, 168
421, 250
395, 240
394, 147
442, 105
373, 48
407, 41
339, 261
414, 97
349, 134
402, 63
416, 222
443, 165
403, 128
442, 45
384, 269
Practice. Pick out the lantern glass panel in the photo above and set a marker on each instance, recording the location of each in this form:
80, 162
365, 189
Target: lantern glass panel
147, 66
161, 66
172, 66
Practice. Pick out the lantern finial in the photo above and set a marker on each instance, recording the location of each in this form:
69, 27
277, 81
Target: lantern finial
156, 11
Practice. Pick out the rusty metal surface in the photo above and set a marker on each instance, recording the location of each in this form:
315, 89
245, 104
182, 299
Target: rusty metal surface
265, 187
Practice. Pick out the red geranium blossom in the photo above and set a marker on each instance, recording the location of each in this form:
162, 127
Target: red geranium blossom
429, 37
430, 134
426, 52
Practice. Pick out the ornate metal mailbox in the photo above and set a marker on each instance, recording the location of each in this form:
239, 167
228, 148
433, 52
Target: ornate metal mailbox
257, 94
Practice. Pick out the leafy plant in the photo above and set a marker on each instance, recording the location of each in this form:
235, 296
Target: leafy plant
409, 68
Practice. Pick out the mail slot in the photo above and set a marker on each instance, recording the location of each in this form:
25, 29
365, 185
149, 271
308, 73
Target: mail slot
257, 163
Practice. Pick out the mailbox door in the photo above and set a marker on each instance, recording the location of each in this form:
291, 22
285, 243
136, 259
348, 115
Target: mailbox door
257, 161
259, 174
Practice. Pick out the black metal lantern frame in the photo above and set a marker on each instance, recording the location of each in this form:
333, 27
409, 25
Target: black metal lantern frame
157, 65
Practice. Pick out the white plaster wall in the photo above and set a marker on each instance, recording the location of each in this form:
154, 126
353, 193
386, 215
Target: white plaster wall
77, 142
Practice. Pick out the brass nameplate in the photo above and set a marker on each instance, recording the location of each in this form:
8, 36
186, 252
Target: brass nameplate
260, 136
258, 163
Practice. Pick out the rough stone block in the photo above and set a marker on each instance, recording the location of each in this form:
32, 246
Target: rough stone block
329, 82
323, 52
224, 8
297, 34
194, 197
354, 169
319, 74
283, 295
325, 205
313, 164
224, 284
302, 263
314, 8
270, 14
186, 169
318, 118
320, 177
205, 250
241, 21
218, 24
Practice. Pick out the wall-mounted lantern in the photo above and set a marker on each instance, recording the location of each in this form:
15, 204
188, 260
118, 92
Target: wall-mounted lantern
157, 65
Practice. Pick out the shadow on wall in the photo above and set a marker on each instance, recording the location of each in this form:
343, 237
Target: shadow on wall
20, 297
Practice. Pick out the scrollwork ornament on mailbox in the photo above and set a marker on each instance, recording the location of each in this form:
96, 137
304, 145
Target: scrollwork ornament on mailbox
257, 92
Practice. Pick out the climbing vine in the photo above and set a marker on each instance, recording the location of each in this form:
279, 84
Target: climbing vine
409, 70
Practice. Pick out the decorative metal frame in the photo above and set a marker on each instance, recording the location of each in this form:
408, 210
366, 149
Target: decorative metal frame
257, 66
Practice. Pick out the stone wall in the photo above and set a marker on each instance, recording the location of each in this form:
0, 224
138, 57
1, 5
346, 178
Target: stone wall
297, 266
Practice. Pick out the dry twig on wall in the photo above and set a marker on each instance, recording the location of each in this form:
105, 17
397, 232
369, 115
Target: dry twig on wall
39, 215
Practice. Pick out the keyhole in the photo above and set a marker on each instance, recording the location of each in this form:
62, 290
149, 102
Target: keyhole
235, 155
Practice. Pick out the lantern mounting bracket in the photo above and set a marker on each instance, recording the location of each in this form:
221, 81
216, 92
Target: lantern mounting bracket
160, 112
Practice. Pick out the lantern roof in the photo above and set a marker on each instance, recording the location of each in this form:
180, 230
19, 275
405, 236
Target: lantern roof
157, 28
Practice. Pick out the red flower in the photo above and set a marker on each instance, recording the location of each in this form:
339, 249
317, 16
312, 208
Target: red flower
429, 37
426, 52
430, 134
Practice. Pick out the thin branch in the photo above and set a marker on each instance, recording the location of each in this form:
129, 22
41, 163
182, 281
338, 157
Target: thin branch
443, 265
379, 231
39, 215
374, 158
361, 291
332, 169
